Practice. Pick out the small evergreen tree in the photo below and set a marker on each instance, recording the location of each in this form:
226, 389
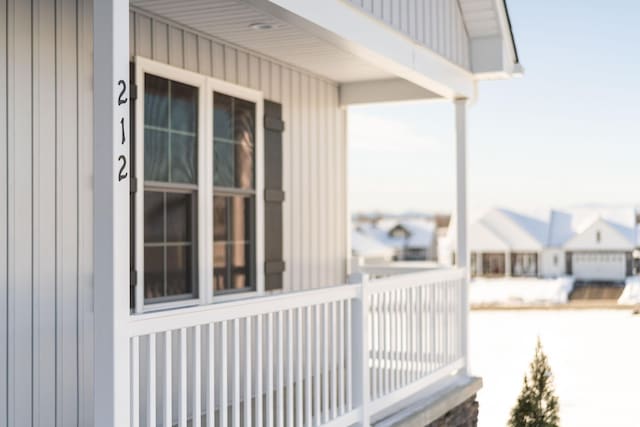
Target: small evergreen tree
537, 405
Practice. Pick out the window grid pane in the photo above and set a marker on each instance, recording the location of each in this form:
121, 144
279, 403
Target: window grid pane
170, 125
170, 161
169, 245
234, 253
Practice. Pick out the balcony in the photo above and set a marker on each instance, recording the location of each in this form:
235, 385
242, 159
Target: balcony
339, 356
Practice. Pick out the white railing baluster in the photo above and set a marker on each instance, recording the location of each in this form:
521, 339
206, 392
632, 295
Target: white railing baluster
259, 363
167, 403
248, 395
270, 370
236, 373
224, 386
299, 374
290, 368
349, 353
419, 332
211, 375
197, 388
325, 365
405, 336
280, 371
317, 365
380, 341
334, 361
387, 342
397, 332
372, 351
182, 380
341, 362
135, 381
151, 381
308, 365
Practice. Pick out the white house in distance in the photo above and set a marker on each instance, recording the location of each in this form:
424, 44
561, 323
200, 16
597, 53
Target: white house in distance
174, 240
369, 249
409, 239
592, 244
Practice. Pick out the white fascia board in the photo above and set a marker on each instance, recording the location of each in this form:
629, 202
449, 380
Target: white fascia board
385, 90
352, 30
510, 66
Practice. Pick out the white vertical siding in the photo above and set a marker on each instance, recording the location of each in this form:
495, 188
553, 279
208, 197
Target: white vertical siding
45, 211
314, 142
437, 24
46, 197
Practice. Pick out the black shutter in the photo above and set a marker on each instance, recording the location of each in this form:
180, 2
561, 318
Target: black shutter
273, 195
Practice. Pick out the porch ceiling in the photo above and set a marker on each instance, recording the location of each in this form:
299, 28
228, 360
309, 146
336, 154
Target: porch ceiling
231, 21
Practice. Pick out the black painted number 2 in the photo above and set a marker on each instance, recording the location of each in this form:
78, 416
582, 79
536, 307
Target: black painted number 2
121, 99
122, 173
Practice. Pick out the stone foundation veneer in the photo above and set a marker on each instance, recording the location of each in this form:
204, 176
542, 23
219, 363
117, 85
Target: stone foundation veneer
464, 415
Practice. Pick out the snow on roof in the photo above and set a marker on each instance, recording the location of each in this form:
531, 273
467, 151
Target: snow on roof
566, 224
483, 239
520, 232
366, 246
421, 232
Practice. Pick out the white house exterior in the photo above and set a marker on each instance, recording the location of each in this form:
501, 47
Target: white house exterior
409, 239
598, 244
174, 211
591, 244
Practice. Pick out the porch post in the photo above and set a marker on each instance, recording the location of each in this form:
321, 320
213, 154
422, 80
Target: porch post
462, 258
111, 212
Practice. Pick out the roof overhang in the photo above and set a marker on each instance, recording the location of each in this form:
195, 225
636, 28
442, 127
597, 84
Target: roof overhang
370, 60
375, 42
494, 54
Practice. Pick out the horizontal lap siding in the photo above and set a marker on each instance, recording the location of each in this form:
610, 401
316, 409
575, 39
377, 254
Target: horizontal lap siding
314, 142
437, 24
45, 212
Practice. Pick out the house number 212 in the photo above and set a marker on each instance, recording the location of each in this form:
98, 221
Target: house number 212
122, 159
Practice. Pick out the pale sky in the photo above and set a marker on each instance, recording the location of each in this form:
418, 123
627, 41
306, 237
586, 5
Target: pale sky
567, 133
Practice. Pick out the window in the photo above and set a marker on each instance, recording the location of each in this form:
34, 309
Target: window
198, 165
170, 189
598, 236
234, 193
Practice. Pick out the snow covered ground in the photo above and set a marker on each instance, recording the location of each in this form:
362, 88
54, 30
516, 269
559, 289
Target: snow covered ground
594, 355
520, 290
631, 293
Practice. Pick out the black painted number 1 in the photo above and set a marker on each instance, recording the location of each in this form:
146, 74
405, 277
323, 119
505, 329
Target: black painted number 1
122, 173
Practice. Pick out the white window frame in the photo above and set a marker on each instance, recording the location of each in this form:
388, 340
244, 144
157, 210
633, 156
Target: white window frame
206, 87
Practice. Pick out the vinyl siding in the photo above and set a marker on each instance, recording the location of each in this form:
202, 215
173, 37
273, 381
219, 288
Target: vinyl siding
46, 193
436, 24
46, 211
314, 142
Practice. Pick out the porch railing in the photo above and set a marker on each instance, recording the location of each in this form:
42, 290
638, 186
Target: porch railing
333, 356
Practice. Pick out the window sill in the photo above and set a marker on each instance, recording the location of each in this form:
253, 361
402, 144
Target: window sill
194, 302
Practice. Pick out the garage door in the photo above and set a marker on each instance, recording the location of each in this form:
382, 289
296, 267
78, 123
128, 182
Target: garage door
599, 266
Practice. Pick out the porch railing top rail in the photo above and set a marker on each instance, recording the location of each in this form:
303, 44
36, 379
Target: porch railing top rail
154, 322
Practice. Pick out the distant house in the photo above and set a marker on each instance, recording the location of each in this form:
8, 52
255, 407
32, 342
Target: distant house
591, 244
410, 239
369, 249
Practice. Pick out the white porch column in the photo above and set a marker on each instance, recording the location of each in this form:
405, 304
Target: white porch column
111, 212
462, 250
